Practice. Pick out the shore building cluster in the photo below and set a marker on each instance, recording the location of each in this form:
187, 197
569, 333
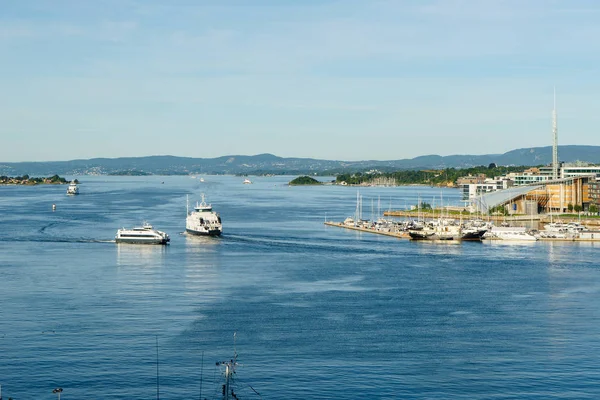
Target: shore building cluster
556, 188
535, 191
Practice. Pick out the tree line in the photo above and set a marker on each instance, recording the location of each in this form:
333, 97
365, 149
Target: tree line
28, 180
432, 177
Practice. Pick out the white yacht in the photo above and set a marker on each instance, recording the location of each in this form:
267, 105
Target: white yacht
441, 229
73, 189
247, 181
556, 227
146, 234
512, 233
203, 220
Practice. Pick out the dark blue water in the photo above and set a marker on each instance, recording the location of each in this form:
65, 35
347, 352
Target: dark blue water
319, 312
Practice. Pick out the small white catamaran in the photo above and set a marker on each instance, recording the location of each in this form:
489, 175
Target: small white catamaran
145, 234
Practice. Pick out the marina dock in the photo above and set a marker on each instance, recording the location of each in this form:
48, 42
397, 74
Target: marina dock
399, 235
405, 235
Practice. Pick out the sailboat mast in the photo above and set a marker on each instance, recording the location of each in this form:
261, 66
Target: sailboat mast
372, 212
361, 205
356, 214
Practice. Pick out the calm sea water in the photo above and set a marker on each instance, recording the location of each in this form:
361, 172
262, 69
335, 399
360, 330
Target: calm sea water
319, 312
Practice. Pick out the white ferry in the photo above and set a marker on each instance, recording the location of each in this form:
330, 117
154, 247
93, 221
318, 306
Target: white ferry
247, 181
203, 220
146, 234
73, 189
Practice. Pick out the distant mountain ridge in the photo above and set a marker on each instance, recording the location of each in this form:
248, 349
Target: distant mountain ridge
271, 164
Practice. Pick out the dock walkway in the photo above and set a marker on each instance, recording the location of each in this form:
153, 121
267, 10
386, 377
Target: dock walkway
400, 235
405, 235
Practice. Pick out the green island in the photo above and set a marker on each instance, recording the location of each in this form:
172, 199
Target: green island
305, 180
27, 180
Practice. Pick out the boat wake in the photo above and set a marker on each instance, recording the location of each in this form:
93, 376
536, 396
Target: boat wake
55, 240
300, 245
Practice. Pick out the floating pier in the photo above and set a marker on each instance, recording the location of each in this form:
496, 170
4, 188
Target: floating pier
405, 235
400, 235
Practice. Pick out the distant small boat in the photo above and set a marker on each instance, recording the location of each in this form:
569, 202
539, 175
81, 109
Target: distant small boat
201, 179
73, 189
247, 181
146, 234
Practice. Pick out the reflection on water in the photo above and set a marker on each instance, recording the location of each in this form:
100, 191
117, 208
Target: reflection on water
446, 247
140, 254
200, 244
203, 264
510, 243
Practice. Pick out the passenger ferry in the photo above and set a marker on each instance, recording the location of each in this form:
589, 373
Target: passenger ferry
203, 220
73, 189
146, 234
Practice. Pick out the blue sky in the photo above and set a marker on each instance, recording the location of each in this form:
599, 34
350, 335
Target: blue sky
348, 80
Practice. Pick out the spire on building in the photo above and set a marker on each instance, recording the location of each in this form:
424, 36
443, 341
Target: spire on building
555, 141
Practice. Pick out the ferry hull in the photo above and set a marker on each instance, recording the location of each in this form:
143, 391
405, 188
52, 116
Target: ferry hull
214, 232
142, 241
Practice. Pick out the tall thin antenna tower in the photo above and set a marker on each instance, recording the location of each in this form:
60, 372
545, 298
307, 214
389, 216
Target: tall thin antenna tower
555, 141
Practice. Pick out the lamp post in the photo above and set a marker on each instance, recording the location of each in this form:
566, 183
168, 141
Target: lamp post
58, 391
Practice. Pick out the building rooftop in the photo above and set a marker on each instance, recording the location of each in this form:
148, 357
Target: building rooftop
490, 200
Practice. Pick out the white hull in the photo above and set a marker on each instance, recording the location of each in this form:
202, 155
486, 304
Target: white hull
430, 234
139, 240
204, 232
524, 237
512, 233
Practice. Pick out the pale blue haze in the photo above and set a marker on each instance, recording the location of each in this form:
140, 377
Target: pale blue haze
320, 79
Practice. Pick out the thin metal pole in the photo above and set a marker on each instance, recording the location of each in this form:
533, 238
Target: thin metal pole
157, 376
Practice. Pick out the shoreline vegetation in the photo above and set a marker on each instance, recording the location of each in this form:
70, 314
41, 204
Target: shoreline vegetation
28, 180
446, 177
431, 177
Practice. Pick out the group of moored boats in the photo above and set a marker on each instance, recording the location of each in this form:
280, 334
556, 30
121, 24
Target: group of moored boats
475, 230
447, 229
202, 220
